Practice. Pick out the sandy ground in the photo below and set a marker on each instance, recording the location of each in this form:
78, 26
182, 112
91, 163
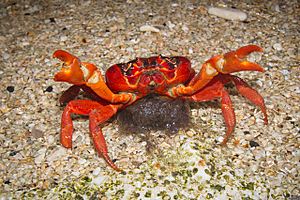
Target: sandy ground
260, 161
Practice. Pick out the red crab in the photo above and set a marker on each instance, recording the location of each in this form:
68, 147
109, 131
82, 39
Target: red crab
168, 76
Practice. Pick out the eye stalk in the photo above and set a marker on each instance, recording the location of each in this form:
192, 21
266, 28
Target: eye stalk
170, 62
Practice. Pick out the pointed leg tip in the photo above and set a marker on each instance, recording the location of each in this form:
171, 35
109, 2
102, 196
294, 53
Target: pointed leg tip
223, 143
110, 162
67, 145
121, 171
66, 141
117, 168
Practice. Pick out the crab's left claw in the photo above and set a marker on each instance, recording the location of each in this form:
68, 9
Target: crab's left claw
70, 71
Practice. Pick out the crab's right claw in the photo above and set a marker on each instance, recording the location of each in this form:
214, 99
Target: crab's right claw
235, 61
70, 71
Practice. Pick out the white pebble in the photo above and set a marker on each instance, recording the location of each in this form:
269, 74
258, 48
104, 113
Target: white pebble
40, 156
50, 139
63, 38
170, 25
275, 7
277, 46
259, 82
165, 145
130, 49
96, 171
285, 72
57, 154
38, 159
25, 43
228, 13
148, 28
220, 139
185, 29
144, 143
98, 180
76, 173
81, 161
5, 56
33, 9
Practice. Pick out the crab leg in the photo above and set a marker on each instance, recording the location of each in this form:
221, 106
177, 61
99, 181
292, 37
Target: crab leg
98, 114
228, 113
92, 95
229, 62
246, 91
250, 94
82, 73
73, 91
69, 94
215, 90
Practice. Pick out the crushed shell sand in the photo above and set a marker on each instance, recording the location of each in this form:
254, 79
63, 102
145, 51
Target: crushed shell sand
260, 162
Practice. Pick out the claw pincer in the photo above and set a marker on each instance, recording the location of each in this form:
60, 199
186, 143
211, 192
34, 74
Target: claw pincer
70, 71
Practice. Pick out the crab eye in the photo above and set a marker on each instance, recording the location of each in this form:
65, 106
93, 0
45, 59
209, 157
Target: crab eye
129, 69
169, 62
128, 72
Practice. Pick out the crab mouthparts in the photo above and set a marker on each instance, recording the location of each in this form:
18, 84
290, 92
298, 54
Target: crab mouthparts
152, 79
152, 83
